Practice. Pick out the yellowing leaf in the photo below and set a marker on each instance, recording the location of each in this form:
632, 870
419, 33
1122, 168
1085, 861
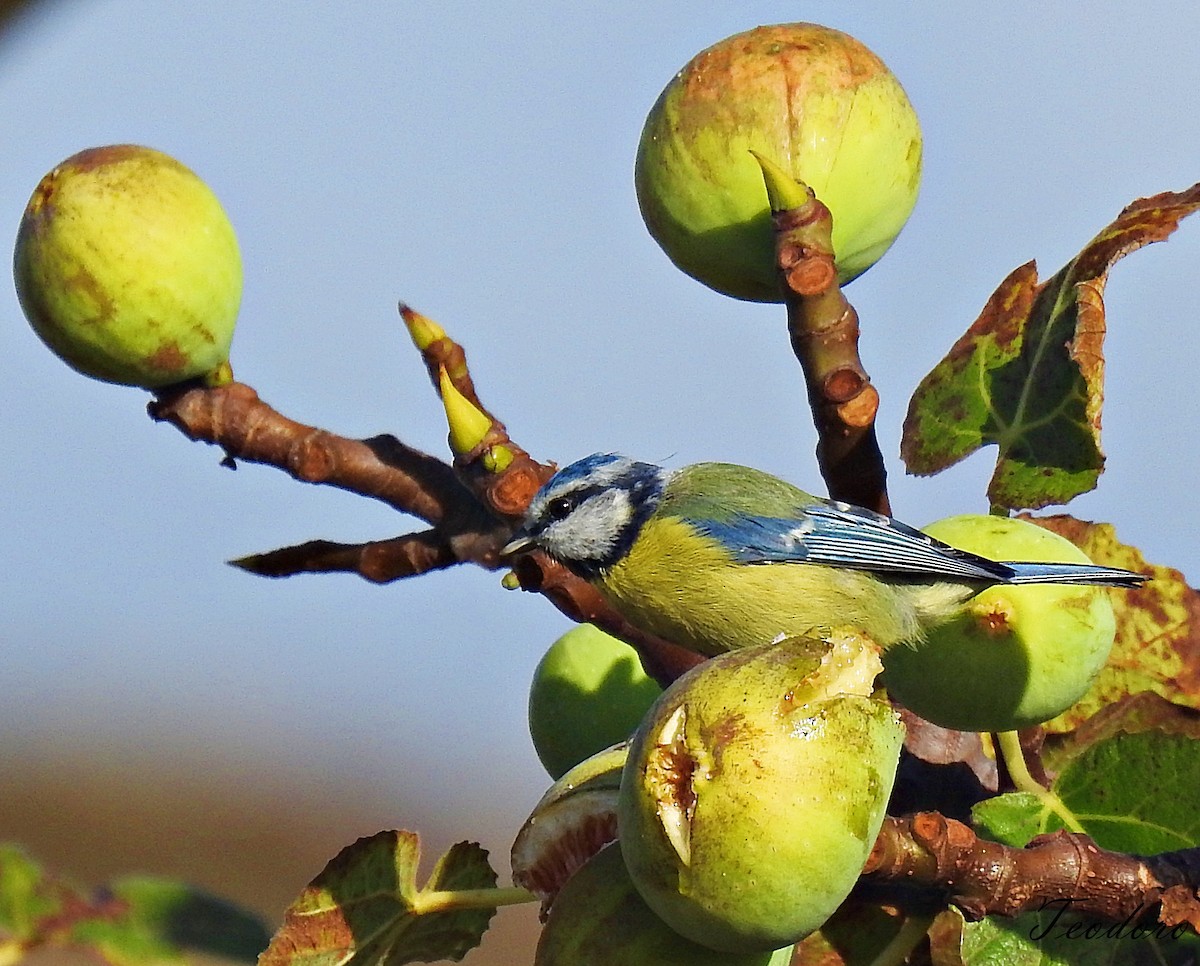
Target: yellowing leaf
1158, 628
366, 908
1028, 375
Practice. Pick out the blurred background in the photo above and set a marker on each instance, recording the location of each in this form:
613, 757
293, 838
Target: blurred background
163, 712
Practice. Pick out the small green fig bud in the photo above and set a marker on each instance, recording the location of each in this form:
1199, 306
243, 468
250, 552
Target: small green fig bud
1013, 657
755, 788
811, 99
589, 691
599, 918
128, 269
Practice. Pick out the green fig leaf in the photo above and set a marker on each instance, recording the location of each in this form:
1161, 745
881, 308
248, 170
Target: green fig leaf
1053, 937
1130, 784
1157, 648
1028, 374
366, 908
1013, 819
1132, 714
1131, 792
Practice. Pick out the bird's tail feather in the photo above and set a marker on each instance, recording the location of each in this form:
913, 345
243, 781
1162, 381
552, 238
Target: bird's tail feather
1071, 573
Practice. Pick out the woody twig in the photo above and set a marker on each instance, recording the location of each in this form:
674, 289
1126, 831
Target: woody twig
823, 327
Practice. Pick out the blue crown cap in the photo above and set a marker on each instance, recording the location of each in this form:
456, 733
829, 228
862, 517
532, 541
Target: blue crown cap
585, 468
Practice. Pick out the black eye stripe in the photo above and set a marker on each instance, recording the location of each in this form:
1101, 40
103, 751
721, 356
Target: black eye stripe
562, 506
641, 491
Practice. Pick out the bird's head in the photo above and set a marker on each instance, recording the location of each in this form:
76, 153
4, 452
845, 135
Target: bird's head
588, 514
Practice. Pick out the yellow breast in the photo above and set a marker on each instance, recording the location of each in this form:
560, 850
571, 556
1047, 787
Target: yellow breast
688, 589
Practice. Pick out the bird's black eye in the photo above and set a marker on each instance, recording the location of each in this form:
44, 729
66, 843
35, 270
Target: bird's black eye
560, 508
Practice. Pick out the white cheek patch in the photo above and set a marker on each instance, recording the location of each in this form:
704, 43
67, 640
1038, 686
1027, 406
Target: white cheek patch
593, 530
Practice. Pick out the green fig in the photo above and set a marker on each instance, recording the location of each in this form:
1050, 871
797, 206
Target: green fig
755, 788
599, 919
812, 100
127, 267
589, 691
1014, 656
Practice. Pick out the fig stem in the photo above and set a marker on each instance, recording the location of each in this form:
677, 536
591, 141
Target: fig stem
451, 899
1009, 743
912, 931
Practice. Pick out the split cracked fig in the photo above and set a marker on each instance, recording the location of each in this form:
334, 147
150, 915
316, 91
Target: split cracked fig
755, 788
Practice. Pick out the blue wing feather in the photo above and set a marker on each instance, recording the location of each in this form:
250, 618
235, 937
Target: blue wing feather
841, 535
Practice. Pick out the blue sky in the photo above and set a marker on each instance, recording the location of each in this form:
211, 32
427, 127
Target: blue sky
476, 162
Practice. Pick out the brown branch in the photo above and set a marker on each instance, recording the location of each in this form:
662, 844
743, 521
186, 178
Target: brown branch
824, 333
472, 508
246, 428
507, 493
379, 561
929, 852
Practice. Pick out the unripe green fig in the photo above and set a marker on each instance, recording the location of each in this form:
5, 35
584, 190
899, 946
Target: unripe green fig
600, 920
1014, 656
809, 98
589, 691
755, 788
127, 267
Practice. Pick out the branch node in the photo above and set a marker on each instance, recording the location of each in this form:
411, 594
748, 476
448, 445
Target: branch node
310, 459
811, 272
843, 383
859, 412
510, 493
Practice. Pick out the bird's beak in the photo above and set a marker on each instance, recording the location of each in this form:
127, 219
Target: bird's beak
516, 544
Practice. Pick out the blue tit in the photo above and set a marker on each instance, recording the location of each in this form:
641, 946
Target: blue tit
716, 556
